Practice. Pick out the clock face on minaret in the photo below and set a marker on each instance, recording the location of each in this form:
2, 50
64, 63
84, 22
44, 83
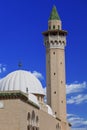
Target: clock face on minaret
55, 42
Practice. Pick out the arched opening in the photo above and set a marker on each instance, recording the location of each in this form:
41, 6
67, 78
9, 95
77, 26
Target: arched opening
56, 42
53, 26
33, 118
37, 121
58, 27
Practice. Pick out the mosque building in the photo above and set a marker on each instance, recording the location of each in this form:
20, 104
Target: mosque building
22, 105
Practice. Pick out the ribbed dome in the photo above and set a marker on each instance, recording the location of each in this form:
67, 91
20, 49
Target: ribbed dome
21, 80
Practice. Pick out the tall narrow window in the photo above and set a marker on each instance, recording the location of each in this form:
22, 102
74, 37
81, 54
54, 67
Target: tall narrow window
53, 26
33, 118
28, 128
54, 73
37, 121
54, 53
58, 27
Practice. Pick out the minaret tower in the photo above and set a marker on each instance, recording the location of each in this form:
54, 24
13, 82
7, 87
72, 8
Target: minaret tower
55, 42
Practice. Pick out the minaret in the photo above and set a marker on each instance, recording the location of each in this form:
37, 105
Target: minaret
55, 42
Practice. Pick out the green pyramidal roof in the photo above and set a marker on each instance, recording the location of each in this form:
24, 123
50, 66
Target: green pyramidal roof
54, 14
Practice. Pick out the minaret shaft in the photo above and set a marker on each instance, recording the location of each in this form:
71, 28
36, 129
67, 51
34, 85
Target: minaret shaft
55, 41
55, 68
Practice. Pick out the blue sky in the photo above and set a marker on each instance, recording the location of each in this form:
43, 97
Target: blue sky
21, 25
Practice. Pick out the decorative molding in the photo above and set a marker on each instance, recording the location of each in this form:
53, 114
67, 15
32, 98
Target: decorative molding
55, 44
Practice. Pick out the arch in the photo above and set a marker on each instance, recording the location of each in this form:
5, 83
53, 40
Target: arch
28, 128
60, 42
37, 121
33, 128
63, 42
53, 26
58, 27
37, 128
51, 42
33, 118
28, 116
56, 41
33, 115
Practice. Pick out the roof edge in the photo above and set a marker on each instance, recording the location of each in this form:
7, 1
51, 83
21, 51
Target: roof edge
16, 94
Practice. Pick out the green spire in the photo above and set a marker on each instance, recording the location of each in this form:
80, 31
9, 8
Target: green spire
54, 14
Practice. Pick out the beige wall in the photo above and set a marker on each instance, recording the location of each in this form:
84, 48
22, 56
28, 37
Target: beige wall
9, 115
13, 116
47, 122
56, 92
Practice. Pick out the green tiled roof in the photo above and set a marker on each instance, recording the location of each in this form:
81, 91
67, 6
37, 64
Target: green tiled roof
54, 14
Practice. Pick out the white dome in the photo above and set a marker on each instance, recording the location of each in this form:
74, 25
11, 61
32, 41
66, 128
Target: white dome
21, 80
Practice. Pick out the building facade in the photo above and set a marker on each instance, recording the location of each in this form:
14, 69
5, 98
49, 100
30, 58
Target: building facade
22, 105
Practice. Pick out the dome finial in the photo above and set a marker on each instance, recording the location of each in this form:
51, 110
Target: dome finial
27, 89
20, 64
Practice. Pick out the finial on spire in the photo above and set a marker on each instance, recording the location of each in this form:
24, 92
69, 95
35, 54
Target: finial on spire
54, 14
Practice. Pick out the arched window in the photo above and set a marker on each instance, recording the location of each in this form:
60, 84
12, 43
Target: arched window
60, 42
53, 26
33, 128
33, 118
37, 128
37, 121
58, 27
28, 118
51, 42
56, 42
63, 42
28, 127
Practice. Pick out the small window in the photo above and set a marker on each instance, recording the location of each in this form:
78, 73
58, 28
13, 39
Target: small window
33, 116
54, 53
54, 73
37, 121
61, 82
59, 41
55, 113
57, 126
53, 26
62, 101
28, 116
54, 92
28, 128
